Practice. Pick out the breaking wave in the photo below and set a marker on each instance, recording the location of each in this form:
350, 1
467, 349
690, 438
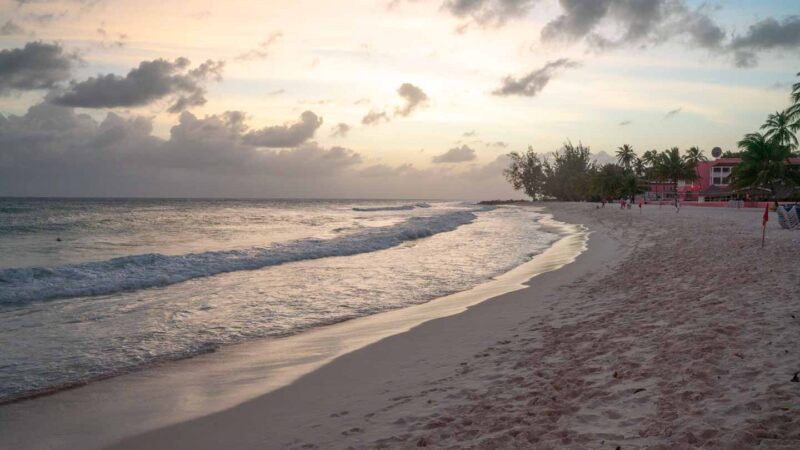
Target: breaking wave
127, 273
393, 208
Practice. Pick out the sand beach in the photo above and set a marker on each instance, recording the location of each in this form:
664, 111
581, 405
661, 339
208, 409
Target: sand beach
671, 330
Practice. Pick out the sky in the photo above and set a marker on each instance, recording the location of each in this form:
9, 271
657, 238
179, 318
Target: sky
369, 98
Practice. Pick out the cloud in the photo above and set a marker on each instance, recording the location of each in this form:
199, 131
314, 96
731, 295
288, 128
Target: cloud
52, 150
610, 24
262, 51
108, 41
383, 170
340, 130
489, 12
283, 136
54, 147
375, 117
638, 23
534, 82
276, 92
414, 98
625, 123
35, 66
151, 81
469, 133
46, 18
673, 113
455, 155
768, 34
11, 29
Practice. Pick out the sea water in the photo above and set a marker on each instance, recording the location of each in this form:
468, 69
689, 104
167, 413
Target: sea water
94, 288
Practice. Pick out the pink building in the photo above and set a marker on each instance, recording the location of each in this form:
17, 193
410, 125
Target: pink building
712, 184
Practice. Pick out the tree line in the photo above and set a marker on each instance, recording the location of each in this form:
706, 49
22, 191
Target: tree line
569, 173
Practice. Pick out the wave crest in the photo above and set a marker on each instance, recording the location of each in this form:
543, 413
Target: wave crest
393, 208
126, 273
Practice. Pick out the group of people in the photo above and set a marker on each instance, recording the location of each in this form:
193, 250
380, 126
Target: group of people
624, 203
627, 203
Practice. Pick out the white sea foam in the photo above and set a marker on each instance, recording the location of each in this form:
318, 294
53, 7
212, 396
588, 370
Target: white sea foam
23, 285
393, 208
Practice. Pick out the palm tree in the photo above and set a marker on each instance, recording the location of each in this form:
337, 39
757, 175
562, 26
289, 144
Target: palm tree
626, 157
779, 129
694, 155
649, 158
794, 111
669, 166
765, 164
640, 167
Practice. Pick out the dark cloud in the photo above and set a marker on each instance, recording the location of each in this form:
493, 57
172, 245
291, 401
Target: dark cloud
56, 141
610, 24
534, 82
263, 49
36, 66
51, 150
673, 113
640, 22
455, 155
414, 98
151, 81
768, 34
489, 12
340, 130
625, 123
469, 133
702, 30
284, 136
498, 144
579, 18
375, 117
276, 92
11, 29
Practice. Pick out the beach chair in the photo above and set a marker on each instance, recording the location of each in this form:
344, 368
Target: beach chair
782, 218
789, 217
792, 219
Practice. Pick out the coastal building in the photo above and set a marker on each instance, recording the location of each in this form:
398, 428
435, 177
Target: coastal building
712, 184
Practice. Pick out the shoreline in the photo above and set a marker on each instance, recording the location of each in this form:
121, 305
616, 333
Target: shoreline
304, 353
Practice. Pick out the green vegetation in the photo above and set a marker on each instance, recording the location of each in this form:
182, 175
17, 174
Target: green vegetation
765, 157
570, 174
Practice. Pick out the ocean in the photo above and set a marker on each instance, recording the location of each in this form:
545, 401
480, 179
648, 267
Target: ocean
92, 288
